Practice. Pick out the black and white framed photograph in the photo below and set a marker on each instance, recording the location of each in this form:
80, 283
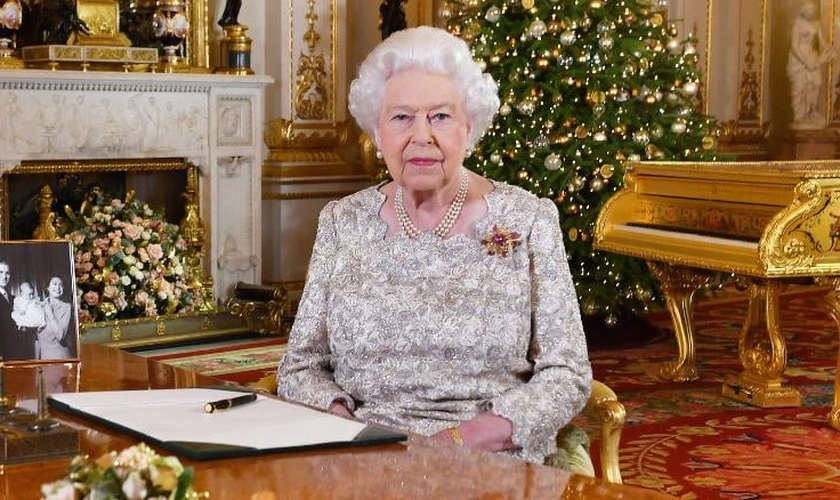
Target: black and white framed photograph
38, 305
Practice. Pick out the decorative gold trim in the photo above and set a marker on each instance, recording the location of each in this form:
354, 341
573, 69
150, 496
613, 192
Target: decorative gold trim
831, 304
763, 354
311, 93
72, 167
290, 141
604, 407
162, 330
749, 94
312, 195
198, 47
312, 172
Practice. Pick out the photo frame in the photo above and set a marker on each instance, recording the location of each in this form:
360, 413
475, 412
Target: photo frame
39, 320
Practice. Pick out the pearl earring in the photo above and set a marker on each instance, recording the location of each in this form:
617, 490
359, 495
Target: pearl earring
378, 154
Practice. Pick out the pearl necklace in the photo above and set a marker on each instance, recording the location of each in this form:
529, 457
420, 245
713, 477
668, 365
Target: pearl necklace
449, 218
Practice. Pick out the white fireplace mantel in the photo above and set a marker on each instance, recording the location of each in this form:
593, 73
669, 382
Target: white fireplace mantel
214, 121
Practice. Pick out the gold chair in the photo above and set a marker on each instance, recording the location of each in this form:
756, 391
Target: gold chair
603, 407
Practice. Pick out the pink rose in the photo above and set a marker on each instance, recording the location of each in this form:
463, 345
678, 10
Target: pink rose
110, 291
91, 298
132, 231
155, 251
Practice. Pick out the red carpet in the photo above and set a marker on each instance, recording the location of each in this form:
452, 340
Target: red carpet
685, 439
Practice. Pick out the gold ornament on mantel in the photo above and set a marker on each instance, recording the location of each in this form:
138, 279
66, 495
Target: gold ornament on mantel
102, 18
11, 17
235, 46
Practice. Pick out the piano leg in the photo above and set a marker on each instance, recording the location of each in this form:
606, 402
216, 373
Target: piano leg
763, 353
832, 306
679, 284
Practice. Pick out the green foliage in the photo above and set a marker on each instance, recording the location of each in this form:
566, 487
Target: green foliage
586, 86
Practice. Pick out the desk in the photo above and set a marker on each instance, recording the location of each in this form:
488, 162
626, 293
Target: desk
416, 469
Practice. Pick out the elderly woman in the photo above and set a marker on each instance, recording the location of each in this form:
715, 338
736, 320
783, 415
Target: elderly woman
439, 303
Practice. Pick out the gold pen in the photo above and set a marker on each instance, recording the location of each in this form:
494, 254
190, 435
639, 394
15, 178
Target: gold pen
226, 404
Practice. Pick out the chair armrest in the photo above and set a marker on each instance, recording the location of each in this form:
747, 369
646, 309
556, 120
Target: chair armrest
267, 384
603, 406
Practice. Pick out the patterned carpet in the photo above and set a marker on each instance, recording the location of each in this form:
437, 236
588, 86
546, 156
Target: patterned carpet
684, 439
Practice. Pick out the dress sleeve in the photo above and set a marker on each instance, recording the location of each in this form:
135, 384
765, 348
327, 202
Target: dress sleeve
305, 374
562, 377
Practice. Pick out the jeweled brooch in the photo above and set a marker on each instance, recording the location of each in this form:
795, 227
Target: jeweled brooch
500, 241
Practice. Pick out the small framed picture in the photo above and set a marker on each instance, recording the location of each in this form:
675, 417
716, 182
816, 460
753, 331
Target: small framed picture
38, 306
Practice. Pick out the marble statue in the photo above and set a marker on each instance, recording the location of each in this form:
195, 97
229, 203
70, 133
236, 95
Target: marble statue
809, 51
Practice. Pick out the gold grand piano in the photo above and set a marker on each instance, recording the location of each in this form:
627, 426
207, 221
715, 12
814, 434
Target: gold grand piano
768, 223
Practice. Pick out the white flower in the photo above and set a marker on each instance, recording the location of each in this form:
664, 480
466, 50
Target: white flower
60, 490
125, 280
134, 487
129, 260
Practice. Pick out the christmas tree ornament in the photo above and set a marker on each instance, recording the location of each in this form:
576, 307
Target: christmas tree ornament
567, 37
605, 42
537, 28
553, 161
690, 88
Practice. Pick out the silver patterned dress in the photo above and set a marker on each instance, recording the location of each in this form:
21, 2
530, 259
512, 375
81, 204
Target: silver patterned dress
421, 334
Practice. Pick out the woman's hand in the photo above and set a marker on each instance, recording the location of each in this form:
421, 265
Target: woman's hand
486, 431
337, 408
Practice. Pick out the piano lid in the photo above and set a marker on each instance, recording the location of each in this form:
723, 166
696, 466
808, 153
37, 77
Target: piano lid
754, 218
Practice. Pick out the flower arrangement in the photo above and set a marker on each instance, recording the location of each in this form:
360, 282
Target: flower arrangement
500, 241
136, 473
130, 262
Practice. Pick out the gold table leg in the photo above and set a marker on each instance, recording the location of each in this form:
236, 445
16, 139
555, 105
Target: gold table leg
831, 302
763, 353
679, 284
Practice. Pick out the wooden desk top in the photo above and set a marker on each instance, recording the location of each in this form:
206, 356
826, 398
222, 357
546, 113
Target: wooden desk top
418, 468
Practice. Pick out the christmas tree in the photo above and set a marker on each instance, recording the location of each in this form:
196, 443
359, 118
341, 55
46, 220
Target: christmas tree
586, 85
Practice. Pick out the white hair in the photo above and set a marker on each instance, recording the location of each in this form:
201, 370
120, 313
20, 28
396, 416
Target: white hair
431, 50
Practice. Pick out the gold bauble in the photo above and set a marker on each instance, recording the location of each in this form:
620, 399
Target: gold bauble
657, 19
606, 171
596, 96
